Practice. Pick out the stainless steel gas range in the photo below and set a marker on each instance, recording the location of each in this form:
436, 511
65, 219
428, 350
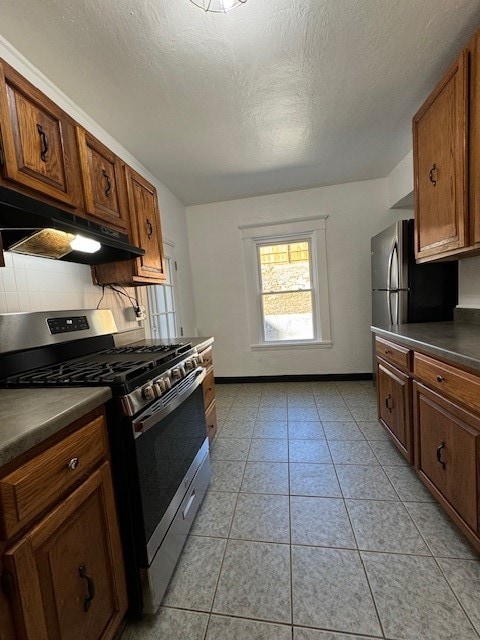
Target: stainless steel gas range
156, 424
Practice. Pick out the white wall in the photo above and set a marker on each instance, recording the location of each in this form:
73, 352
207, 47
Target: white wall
400, 184
64, 286
469, 283
356, 212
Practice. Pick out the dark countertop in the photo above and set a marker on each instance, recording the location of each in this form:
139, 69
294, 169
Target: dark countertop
455, 342
29, 416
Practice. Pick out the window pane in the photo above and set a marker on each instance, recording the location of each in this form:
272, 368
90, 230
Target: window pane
288, 316
285, 267
169, 299
171, 325
163, 326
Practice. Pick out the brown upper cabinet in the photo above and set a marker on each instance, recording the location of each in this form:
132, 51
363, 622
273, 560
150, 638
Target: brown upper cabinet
145, 232
103, 184
440, 145
446, 152
45, 154
37, 141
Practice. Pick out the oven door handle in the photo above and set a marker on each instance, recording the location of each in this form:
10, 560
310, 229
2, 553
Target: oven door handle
157, 411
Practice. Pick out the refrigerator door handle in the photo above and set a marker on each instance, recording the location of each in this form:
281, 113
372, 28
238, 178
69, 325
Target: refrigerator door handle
389, 307
393, 253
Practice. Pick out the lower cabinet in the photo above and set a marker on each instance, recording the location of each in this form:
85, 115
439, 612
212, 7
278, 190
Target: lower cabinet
208, 387
393, 395
63, 575
431, 410
448, 452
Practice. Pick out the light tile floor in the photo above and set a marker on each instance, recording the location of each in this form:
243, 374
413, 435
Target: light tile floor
315, 528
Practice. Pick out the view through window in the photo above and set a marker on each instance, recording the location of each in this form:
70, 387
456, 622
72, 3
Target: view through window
286, 291
161, 307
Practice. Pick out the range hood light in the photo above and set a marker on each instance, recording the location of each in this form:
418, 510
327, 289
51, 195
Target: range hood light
80, 243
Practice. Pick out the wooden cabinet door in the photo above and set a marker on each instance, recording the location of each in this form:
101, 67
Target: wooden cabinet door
145, 226
393, 395
103, 184
38, 140
448, 443
211, 419
68, 571
440, 166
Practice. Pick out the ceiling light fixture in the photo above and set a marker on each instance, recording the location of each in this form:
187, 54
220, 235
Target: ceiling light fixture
218, 6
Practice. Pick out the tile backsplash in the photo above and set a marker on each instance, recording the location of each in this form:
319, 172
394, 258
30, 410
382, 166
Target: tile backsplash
29, 283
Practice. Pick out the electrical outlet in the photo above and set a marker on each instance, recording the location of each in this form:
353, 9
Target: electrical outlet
140, 313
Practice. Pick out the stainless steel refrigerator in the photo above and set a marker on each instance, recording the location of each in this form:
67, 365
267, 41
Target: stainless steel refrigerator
403, 291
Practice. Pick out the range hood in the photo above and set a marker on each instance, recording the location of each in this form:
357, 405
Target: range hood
22, 216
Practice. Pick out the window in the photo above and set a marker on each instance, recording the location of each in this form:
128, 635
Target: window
286, 291
161, 306
287, 287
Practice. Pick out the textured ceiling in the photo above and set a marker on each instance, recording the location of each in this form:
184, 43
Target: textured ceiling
273, 96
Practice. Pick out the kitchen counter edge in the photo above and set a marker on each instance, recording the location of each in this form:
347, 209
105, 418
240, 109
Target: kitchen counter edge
455, 342
30, 416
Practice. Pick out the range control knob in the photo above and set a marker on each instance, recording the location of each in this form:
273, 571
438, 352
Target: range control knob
167, 382
178, 373
148, 392
190, 364
158, 388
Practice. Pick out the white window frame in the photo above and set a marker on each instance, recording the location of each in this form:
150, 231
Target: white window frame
169, 253
312, 230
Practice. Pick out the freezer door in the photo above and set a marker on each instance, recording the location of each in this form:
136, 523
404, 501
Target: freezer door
381, 309
389, 307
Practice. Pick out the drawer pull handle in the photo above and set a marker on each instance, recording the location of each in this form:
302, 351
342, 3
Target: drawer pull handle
389, 402
82, 570
188, 505
440, 378
431, 177
73, 464
439, 454
387, 351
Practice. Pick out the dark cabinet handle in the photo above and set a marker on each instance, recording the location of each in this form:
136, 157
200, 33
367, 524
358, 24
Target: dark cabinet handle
439, 454
440, 378
82, 570
44, 143
389, 402
149, 229
107, 180
433, 180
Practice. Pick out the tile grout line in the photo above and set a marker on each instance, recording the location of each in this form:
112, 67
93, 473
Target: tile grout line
229, 530
360, 558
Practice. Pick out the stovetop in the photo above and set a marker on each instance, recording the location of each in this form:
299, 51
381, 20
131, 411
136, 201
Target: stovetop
116, 366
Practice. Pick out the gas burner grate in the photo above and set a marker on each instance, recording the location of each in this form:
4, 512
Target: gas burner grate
82, 373
149, 348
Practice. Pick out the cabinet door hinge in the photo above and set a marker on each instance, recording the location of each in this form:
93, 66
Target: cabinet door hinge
7, 582
176, 267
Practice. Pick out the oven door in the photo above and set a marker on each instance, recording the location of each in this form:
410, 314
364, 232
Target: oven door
171, 446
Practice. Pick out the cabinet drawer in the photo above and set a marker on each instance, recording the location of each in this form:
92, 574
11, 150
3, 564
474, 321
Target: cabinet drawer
449, 380
208, 389
31, 488
394, 353
207, 358
448, 441
211, 419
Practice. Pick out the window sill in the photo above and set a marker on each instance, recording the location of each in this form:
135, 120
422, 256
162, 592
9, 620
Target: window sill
315, 344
